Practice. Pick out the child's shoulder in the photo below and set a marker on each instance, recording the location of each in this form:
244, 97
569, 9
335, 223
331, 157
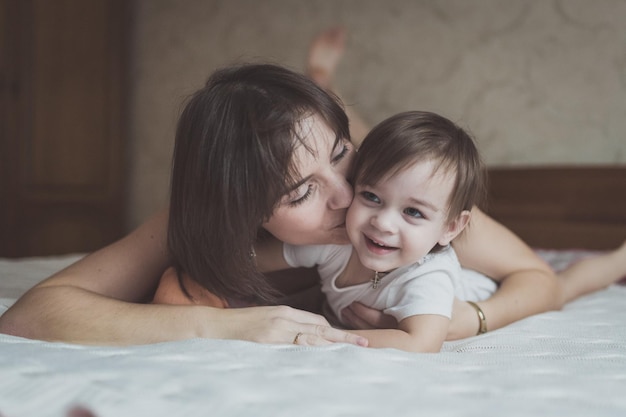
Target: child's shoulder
445, 255
443, 261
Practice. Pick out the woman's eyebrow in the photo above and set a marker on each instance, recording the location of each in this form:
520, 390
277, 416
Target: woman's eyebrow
338, 140
299, 183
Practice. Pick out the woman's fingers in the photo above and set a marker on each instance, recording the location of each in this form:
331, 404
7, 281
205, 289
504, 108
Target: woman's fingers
340, 336
314, 330
325, 335
300, 316
362, 317
289, 325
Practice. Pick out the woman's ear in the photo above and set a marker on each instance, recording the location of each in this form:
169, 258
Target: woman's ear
455, 227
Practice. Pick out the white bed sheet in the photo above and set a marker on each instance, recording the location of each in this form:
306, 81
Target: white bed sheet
567, 363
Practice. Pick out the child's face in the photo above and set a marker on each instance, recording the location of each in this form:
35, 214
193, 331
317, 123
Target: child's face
400, 219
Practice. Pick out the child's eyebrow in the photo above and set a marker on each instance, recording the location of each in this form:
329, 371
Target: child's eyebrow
423, 203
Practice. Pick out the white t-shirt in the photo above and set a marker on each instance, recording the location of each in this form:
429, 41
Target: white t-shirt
428, 287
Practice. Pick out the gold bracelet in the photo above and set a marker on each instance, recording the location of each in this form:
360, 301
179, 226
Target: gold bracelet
482, 320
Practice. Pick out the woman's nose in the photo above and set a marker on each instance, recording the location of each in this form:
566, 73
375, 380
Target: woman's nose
342, 194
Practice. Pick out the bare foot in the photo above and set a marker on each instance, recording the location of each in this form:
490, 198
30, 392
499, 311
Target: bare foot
593, 273
325, 53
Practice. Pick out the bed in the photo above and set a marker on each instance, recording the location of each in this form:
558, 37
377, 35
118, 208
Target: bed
562, 363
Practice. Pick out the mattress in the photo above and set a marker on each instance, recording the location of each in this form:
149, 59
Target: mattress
562, 363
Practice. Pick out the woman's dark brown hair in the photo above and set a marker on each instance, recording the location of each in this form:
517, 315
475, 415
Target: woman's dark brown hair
232, 164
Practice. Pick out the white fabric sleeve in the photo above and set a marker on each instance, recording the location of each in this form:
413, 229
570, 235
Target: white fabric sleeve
432, 293
475, 286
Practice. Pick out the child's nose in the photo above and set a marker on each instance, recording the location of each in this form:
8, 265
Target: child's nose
383, 220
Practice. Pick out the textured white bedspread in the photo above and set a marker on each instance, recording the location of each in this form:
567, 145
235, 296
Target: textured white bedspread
568, 363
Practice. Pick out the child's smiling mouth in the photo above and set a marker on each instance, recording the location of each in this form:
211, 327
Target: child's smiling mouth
378, 247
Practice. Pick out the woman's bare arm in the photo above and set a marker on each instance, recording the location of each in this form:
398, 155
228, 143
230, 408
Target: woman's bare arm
527, 284
98, 300
82, 301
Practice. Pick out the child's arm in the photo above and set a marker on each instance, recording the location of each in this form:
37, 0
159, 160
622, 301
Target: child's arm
422, 333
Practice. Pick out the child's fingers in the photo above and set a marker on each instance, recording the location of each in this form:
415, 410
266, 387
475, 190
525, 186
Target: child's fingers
363, 317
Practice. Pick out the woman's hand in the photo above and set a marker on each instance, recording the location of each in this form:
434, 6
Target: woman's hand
282, 324
361, 317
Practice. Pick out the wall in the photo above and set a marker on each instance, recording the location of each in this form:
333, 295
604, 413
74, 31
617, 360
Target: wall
536, 81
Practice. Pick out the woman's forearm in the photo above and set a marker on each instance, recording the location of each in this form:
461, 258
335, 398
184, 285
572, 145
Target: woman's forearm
520, 295
45, 313
527, 284
86, 301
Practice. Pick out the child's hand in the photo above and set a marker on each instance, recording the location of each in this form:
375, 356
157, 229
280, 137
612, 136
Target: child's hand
361, 317
283, 325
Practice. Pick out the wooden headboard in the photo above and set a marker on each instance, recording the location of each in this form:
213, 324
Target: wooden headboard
561, 207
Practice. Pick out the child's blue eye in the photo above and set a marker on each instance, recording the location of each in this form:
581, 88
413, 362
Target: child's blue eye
413, 212
370, 197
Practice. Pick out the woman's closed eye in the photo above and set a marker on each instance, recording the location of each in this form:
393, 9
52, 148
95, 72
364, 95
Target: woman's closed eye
300, 195
342, 154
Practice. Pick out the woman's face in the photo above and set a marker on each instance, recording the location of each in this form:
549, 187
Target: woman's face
314, 213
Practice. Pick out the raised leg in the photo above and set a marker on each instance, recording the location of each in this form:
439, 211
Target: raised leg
593, 273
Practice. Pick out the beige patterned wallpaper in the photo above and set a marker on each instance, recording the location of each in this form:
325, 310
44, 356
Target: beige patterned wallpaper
536, 81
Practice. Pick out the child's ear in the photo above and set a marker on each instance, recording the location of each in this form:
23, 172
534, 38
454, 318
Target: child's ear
455, 227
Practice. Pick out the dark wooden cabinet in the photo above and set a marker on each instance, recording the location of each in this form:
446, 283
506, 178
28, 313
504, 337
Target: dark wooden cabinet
63, 66
561, 207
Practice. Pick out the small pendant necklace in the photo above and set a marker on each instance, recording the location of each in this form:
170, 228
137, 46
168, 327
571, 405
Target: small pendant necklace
378, 276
